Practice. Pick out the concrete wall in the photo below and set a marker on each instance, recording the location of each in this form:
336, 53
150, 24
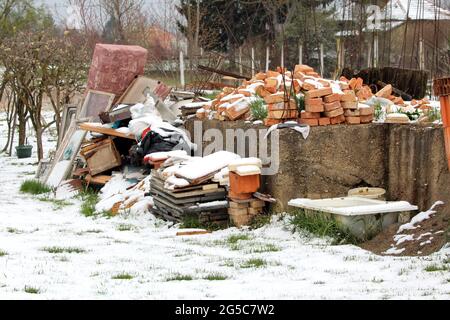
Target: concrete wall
408, 161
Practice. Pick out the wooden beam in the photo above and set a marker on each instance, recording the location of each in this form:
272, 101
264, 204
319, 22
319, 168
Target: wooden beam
106, 131
399, 92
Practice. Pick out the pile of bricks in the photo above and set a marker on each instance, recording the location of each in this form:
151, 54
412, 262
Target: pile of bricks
242, 213
323, 108
327, 102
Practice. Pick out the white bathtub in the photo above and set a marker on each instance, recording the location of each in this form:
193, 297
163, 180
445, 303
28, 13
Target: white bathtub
362, 217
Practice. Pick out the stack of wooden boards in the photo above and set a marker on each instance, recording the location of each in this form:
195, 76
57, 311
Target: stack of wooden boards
281, 92
205, 201
185, 188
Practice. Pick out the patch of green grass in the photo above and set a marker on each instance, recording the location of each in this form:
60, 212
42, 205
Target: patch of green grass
254, 263
89, 200
260, 221
32, 290
234, 239
320, 226
259, 109
215, 277
125, 227
57, 204
13, 230
265, 248
179, 277
3, 253
123, 276
193, 222
436, 268
375, 280
94, 231
61, 250
34, 187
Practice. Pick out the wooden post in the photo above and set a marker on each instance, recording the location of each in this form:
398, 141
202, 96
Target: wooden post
267, 58
282, 55
300, 54
376, 49
253, 62
369, 56
322, 66
340, 45
182, 79
421, 55
241, 71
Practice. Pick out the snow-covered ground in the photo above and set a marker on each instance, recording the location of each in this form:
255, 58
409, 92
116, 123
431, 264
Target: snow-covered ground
270, 263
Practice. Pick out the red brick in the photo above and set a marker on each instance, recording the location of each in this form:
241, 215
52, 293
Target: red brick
292, 105
271, 85
332, 98
283, 114
303, 68
324, 121
315, 108
332, 106
310, 122
353, 120
350, 105
317, 93
335, 113
349, 96
275, 98
338, 119
367, 119
310, 115
271, 122
366, 111
352, 113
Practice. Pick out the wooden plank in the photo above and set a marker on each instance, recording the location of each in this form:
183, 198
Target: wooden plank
106, 131
193, 233
206, 187
192, 200
189, 194
98, 180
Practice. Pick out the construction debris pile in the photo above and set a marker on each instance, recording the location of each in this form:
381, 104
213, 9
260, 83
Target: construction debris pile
125, 141
305, 97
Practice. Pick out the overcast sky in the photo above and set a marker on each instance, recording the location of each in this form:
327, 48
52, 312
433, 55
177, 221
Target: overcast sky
59, 7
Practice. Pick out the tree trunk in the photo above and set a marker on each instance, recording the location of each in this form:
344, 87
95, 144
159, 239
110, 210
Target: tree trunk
40, 147
21, 115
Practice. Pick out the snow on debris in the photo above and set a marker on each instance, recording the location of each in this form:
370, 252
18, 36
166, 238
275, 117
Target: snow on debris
423, 216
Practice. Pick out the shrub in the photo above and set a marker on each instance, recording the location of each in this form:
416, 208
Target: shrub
259, 110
